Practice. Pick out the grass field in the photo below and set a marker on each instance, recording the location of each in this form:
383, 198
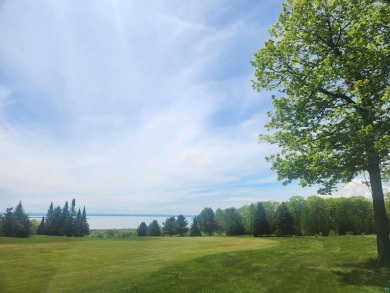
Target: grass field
203, 264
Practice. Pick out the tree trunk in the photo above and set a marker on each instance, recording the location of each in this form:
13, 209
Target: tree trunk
381, 227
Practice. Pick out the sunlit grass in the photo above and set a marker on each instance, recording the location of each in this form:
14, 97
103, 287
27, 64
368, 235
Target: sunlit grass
184, 264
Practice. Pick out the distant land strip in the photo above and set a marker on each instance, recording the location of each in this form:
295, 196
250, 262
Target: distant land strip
39, 215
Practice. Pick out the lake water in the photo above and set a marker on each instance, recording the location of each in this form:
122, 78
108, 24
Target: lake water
121, 221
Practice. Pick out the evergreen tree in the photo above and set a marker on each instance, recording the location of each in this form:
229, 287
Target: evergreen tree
41, 227
84, 224
57, 221
283, 221
8, 223
154, 228
169, 226
207, 222
66, 221
77, 227
142, 229
22, 222
50, 222
16, 223
194, 230
181, 224
260, 223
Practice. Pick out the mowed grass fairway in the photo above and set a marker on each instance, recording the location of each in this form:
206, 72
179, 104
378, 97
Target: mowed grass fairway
184, 264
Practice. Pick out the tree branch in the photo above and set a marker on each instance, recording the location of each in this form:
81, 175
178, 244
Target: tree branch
341, 96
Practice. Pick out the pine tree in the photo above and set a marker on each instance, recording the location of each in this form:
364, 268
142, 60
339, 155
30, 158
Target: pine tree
154, 228
77, 227
169, 226
142, 229
50, 222
66, 221
84, 224
16, 223
283, 221
22, 222
8, 223
194, 230
260, 223
57, 221
41, 227
181, 224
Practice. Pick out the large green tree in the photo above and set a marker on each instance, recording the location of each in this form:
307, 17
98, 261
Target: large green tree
330, 62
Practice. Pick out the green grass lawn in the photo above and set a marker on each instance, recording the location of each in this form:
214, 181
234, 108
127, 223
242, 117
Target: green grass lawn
202, 264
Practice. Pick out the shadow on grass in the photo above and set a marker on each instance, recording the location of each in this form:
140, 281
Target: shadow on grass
368, 273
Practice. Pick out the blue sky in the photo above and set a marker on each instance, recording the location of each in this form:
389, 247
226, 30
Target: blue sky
135, 106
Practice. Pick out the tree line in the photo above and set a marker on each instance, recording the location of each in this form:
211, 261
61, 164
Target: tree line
58, 222
299, 216
171, 226
64, 222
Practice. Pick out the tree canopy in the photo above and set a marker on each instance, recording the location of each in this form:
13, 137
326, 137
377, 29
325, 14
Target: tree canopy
330, 63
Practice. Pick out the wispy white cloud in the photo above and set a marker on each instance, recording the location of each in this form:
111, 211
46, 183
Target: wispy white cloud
130, 106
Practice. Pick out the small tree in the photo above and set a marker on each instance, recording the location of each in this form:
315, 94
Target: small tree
154, 228
142, 229
207, 222
169, 226
194, 230
181, 224
283, 221
260, 223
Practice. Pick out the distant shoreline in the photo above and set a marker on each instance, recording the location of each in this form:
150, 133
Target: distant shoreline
39, 215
